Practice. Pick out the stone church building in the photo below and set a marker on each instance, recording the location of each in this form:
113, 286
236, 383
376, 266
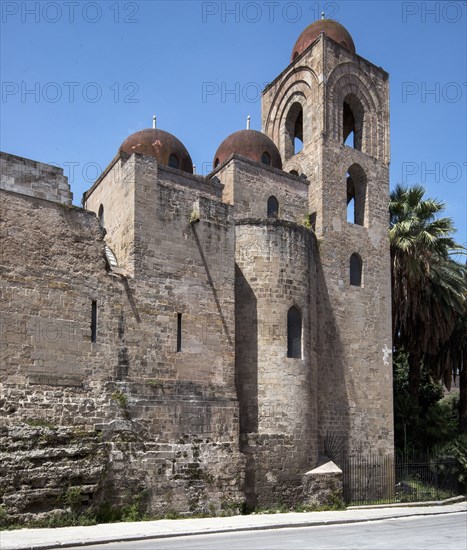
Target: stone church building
196, 342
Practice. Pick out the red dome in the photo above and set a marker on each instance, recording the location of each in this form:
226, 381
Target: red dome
331, 28
251, 144
161, 145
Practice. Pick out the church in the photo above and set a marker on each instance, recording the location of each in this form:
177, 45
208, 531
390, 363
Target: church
195, 343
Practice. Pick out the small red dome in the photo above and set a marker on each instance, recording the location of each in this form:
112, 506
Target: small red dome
331, 28
161, 145
251, 144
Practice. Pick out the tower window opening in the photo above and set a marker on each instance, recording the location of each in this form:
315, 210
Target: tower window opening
350, 140
294, 130
294, 333
351, 210
350, 200
273, 207
179, 332
100, 215
93, 321
356, 195
355, 268
297, 145
266, 158
216, 163
173, 161
352, 122
298, 133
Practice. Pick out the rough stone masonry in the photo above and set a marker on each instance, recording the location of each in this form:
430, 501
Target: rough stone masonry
193, 344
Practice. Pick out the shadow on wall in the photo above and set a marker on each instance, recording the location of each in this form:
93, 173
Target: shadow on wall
333, 400
246, 353
211, 284
246, 374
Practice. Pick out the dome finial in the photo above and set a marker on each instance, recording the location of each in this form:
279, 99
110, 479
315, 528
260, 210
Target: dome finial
322, 15
154, 121
248, 122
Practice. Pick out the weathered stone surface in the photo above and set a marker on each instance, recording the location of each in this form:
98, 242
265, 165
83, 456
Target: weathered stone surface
353, 341
33, 178
168, 379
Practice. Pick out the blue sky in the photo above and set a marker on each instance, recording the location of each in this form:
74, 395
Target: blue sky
79, 77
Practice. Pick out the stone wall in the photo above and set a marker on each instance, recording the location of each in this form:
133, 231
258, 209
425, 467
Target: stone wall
248, 186
277, 393
354, 335
33, 178
163, 423
114, 195
167, 379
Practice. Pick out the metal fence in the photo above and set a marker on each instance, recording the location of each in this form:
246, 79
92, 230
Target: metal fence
374, 479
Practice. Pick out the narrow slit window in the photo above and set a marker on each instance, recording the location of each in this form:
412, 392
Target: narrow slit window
355, 270
179, 332
273, 207
101, 215
266, 158
94, 321
173, 161
294, 333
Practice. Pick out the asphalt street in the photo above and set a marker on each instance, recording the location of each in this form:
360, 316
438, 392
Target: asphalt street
446, 532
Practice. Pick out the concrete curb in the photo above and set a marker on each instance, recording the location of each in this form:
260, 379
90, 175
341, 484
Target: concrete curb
452, 500
436, 509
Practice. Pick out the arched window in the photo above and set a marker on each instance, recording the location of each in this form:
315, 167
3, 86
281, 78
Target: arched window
294, 130
273, 207
294, 172
355, 268
356, 194
352, 119
216, 163
100, 215
173, 161
294, 333
266, 158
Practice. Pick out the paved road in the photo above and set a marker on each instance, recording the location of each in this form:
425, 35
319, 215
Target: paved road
446, 532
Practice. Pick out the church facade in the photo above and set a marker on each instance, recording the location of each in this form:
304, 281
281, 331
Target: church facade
199, 342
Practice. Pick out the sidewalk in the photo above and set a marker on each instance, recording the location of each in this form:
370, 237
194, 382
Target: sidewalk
115, 532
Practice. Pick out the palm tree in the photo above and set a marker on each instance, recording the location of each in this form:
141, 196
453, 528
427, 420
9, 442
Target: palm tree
451, 363
427, 285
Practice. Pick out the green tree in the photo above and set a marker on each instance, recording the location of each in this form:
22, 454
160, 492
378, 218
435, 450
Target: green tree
428, 286
451, 363
429, 424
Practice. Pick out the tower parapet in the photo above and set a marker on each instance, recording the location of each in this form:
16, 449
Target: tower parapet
35, 179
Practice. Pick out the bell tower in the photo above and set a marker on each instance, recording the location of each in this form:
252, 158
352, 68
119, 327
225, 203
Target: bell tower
328, 114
